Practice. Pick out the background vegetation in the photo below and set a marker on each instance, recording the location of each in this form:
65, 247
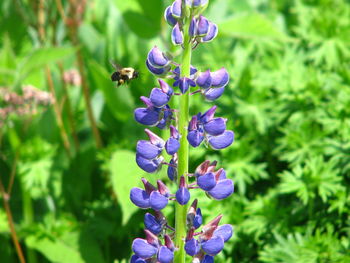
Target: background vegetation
66, 178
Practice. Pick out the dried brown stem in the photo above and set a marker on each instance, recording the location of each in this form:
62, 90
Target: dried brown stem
6, 199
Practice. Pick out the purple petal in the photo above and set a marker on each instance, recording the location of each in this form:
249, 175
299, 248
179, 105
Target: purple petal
152, 224
157, 71
165, 87
139, 197
208, 115
215, 127
222, 190
147, 150
212, 94
212, 33
204, 79
219, 78
176, 35
225, 231
221, 141
208, 259
168, 16
193, 27
192, 247
157, 59
206, 181
136, 259
165, 255
172, 172
159, 98
146, 116
150, 166
184, 85
195, 138
172, 146
202, 26
198, 219
157, 201
143, 249
176, 8
213, 246
183, 195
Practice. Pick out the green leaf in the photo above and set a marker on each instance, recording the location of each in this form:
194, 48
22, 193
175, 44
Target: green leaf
41, 57
125, 175
251, 25
137, 13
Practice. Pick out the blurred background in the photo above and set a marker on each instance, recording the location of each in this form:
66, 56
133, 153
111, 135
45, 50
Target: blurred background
67, 134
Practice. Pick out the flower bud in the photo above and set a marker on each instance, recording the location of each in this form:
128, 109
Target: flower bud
157, 71
202, 26
195, 138
157, 58
176, 9
165, 255
147, 150
213, 246
215, 126
182, 194
212, 33
204, 79
146, 116
139, 197
159, 98
198, 219
212, 94
150, 166
192, 31
176, 35
168, 16
152, 224
225, 231
206, 181
192, 247
143, 249
219, 78
172, 146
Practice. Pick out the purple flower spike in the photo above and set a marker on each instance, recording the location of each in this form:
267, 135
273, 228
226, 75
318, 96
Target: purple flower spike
223, 189
206, 181
208, 259
213, 246
192, 247
176, 9
147, 150
204, 79
143, 249
146, 116
150, 166
139, 197
225, 231
176, 35
157, 58
193, 28
172, 146
221, 141
195, 138
165, 255
157, 71
202, 26
215, 127
198, 219
220, 78
157, 201
212, 94
159, 98
152, 224
168, 16
212, 33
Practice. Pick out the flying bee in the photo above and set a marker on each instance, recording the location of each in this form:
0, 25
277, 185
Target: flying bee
123, 75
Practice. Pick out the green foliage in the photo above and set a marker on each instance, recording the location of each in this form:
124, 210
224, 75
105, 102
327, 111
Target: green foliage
288, 102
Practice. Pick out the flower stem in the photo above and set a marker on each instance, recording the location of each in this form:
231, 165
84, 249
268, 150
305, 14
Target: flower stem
181, 210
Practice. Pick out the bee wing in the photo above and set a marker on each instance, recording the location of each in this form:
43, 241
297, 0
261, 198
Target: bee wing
115, 65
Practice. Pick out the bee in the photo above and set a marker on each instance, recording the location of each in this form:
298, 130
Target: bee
123, 75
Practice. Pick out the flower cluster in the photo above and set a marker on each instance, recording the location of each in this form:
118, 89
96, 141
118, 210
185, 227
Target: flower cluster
202, 242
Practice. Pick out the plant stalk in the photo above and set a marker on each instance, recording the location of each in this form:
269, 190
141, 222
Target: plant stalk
181, 210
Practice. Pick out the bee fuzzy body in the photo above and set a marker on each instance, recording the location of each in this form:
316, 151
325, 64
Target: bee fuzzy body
124, 75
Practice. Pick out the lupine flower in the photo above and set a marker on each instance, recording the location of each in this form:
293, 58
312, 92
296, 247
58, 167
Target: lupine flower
207, 243
213, 130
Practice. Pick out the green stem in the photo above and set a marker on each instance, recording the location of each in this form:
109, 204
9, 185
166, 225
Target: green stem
181, 211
